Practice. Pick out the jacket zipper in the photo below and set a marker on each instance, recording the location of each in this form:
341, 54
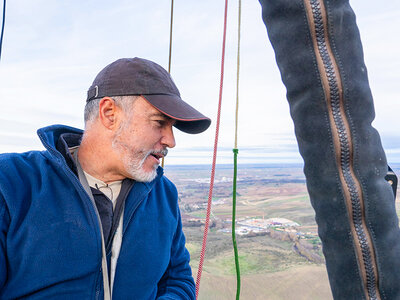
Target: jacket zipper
331, 81
79, 186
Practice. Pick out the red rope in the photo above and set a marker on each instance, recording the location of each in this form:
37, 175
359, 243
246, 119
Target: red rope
203, 248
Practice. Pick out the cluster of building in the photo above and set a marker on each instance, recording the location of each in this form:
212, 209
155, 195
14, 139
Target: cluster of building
246, 226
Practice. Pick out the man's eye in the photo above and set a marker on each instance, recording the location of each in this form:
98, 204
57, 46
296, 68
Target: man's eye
160, 122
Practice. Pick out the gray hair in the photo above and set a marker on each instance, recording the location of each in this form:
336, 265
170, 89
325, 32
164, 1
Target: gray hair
92, 107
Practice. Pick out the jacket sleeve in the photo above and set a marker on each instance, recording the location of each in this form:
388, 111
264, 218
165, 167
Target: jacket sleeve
4, 221
177, 282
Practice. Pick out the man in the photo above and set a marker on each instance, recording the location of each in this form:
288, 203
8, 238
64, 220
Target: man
93, 215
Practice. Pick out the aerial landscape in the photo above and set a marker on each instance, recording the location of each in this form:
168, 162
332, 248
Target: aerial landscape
280, 253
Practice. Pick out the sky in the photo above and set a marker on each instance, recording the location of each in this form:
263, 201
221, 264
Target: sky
52, 50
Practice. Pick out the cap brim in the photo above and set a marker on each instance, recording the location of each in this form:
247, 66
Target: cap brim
187, 118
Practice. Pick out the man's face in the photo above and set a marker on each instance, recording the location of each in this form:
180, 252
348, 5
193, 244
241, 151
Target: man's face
142, 140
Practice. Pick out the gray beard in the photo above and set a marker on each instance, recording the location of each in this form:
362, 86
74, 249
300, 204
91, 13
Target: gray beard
134, 168
136, 171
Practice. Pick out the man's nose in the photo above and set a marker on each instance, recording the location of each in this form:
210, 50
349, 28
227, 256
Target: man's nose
168, 138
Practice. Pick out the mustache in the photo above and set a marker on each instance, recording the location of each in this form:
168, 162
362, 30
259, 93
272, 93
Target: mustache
163, 152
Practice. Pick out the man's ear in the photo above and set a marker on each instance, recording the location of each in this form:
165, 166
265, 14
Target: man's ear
108, 112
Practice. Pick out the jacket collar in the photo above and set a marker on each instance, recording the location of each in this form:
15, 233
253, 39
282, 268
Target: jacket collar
50, 135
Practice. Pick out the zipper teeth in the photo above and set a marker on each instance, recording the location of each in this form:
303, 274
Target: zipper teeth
345, 153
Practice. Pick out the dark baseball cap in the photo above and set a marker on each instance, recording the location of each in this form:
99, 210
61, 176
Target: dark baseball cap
138, 76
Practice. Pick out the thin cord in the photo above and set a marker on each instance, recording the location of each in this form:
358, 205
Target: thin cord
170, 36
237, 73
2, 26
170, 50
106, 187
235, 155
203, 248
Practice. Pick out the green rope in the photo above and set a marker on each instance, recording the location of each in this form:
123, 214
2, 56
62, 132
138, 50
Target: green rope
235, 153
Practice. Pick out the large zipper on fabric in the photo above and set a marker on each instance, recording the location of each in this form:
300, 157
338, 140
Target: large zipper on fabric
332, 85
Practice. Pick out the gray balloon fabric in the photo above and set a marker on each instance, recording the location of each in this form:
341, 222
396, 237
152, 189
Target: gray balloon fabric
319, 54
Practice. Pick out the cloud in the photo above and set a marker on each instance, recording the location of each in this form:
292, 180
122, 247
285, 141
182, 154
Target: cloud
51, 57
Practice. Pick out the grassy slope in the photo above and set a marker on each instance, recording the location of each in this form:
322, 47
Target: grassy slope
301, 283
270, 269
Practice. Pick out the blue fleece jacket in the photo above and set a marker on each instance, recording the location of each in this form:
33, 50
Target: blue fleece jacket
50, 242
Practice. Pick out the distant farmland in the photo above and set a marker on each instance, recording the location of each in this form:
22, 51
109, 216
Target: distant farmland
271, 266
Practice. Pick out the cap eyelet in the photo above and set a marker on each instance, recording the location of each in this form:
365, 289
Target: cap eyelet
97, 91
